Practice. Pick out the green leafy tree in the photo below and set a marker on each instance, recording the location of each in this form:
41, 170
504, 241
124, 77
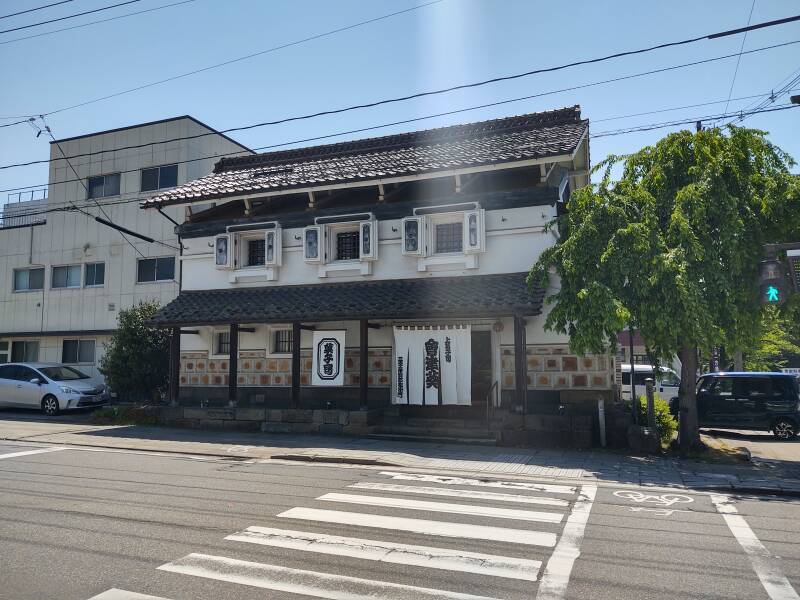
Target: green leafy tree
672, 248
136, 360
778, 340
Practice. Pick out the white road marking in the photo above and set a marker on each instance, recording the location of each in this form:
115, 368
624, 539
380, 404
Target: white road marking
766, 565
425, 527
660, 499
390, 552
446, 507
29, 452
115, 594
475, 494
298, 581
556, 574
512, 485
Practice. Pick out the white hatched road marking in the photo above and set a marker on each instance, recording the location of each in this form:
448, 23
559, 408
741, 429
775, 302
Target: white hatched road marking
474, 494
559, 567
30, 452
437, 528
390, 552
513, 485
446, 507
115, 594
298, 581
766, 565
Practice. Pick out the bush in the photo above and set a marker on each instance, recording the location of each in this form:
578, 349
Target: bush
666, 425
125, 415
136, 360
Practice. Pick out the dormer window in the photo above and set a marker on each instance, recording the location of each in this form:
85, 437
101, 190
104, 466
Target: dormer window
256, 252
449, 237
347, 245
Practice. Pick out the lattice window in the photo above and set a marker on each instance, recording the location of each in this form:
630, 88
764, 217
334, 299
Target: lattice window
347, 243
283, 341
449, 237
255, 253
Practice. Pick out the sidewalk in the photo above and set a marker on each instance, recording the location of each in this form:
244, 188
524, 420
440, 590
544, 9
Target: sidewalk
595, 465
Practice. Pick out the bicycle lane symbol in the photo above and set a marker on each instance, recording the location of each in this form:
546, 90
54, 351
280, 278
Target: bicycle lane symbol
661, 503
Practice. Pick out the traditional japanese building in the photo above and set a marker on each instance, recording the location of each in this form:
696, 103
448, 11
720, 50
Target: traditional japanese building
380, 284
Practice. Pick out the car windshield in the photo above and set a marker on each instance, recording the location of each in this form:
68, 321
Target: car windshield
63, 373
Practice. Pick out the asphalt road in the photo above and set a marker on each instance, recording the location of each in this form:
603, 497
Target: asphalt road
79, 523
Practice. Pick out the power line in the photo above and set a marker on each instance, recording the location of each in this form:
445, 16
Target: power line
651, 126
51, 207
22, 12
710, 36
248, 56
28, 120
35, 35
738, 60
87, 12
313, 115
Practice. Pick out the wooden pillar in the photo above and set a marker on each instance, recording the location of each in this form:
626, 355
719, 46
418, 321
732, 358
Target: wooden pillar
174, 365
296, 364
363, 377
233, 364
520, 364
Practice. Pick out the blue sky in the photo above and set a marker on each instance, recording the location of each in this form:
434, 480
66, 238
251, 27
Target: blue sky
449, 43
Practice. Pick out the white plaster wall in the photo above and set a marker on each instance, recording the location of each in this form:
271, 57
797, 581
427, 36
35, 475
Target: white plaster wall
515, 238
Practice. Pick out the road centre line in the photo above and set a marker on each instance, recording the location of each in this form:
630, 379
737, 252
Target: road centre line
766, 565
514, 485
117, 594
445, 507
30, 452
391, 552
559, 567
301, 582
473, 494
425, 527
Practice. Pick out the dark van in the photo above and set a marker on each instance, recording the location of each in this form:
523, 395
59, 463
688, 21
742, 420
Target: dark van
761, 401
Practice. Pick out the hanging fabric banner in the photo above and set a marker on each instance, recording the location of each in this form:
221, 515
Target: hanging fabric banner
432, 365
328, 358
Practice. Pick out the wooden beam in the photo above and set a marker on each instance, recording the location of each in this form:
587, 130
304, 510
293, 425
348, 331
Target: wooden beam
247, 329
374, 325
308, 327
190, 332
233, 364
174, 365
296, 331
520, 364
363, 363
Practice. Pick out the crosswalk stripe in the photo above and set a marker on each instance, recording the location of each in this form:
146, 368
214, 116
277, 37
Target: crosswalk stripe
115, 594
437, 528
30, 452
391, 552
473, 494
298, 581
446, 507
514, 485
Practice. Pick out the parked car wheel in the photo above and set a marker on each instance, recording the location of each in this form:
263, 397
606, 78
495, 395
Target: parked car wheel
784, 429
50, 406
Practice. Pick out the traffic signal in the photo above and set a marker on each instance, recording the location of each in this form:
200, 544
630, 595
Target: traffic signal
772, 282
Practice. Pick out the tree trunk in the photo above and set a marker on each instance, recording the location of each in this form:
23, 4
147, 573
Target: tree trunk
738, 361
689, 433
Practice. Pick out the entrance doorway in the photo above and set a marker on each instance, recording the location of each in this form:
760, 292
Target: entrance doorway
481, 369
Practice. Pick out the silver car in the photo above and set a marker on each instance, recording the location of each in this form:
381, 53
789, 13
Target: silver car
50, 387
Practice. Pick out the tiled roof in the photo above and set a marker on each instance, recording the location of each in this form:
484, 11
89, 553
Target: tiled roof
440, 297
511, 139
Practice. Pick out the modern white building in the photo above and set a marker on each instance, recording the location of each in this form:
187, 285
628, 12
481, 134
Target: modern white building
64, 276
386, 274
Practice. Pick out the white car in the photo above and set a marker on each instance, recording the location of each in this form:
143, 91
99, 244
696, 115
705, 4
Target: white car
50, 387
666, 382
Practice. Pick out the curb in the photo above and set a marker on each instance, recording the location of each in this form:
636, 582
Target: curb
754, 490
